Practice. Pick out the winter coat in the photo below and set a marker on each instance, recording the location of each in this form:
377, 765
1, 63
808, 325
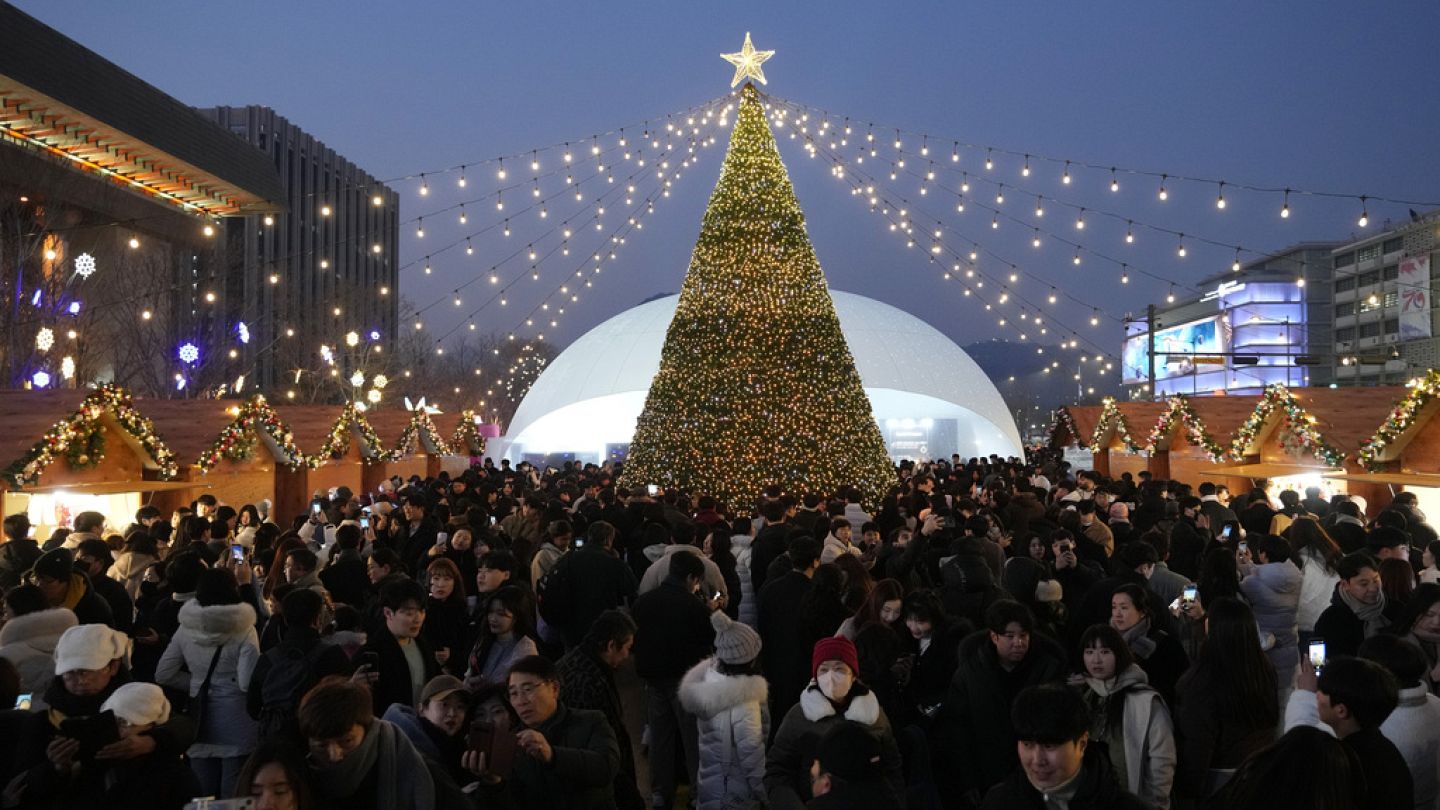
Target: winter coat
586, 682
1145, 734
1342, 630
969, 587
835, 548
122, 607
596, 581
1273, 591
673, 633
1208, 739
1097, 789
770, 542
89, 606
129, 571
660, 569
581, 774
29, 642
543, 561
783, 656
733, 715
227, 730
395, 685
16, 557
973, 727
858, 517
740, 547
1317, 584
787, 764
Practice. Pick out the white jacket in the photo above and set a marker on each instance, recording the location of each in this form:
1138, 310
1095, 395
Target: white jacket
1317, 586
29, 642
835, 548
1414, 728
228, 730
740, 547
660, 568
734, 719
1148, 737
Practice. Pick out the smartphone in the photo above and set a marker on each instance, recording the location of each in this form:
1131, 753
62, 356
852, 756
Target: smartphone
237, 553
1225, 532
716, 597
93, 732
1190, 594
315, 508
364, 522
23, 701
441, 537
1317, 654
369, 660
1244, 546
653, 490
579, 542
497, 744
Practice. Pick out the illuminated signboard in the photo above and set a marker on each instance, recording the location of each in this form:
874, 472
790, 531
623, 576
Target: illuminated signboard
1175, 349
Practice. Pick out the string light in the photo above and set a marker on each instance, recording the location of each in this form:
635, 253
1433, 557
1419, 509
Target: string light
1220, 200
1285, 207
1364, 213
1181, 250
1114, 181
1065, 178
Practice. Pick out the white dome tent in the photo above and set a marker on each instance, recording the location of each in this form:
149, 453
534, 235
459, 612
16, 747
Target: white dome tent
930, 399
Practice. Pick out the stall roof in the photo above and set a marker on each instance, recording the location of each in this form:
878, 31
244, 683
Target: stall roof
1222, 416
1348, 417
389, 424
310, 424
1268, 470
189, 426
26, 416
1140, 419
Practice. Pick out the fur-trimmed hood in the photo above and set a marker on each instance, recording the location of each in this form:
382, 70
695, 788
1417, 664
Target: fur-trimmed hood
864, 708
40, 630
706, 692
215, 625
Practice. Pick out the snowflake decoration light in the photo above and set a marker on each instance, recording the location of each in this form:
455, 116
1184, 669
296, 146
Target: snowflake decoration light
189, 353
85, 265
374, 396
67, 368
357, 379
243, 332
40, 379
380, 381
44, 339
352, 339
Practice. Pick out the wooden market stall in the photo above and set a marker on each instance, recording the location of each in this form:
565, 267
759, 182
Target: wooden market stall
1190, 440
466, 441
418, 446
237, 450
1301, 437
1404, 452
339, 445
1119, 439
1071, 432
68, 451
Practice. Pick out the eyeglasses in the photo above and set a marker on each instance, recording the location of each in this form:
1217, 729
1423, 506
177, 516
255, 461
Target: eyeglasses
525, 690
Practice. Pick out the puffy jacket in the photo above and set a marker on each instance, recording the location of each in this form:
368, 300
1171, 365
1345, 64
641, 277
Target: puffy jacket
1273, 591
740, 547
227, 728
129, 570
29, 642
1146, 733
734, 721
787, 763
1317, 584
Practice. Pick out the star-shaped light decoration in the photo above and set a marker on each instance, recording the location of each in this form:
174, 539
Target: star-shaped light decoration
85, 265
747, 62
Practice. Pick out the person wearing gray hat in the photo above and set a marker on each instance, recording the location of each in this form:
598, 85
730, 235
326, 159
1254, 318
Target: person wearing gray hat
730, 701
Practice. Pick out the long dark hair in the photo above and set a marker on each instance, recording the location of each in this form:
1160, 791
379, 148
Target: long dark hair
518, 601
720, 549
1233, 666
1306, 532
1424, 597
1304, 768
886, 590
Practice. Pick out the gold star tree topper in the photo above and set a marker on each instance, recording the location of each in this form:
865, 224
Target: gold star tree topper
747, 62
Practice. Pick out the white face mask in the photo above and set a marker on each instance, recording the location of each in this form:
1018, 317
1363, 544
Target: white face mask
834, 685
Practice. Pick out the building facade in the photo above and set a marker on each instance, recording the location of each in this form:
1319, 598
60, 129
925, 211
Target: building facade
1267, 323
324, 268
1384, 312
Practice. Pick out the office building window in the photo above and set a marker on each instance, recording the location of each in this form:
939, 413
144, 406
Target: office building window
1372, 277
1344, 260
1392, 326
1368, 330
1345, 333
1393, 245
1367, 253
1345, 284
1390, 272
1347, 308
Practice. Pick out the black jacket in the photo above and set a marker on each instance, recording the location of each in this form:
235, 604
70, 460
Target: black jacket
415, 545
1098, 789
92, 607
596, 581
588, 683
974, 724
581, 774
122, 607
770, 542
1389, 783
17, 557
674, 632
394, 685
874, 794
1342, 630
346, 580
782, 652
1348, 536
306, 641
1187, 543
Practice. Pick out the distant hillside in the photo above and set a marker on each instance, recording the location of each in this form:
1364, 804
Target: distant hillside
1034, 393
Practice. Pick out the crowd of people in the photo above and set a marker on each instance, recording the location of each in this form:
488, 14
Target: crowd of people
993, 633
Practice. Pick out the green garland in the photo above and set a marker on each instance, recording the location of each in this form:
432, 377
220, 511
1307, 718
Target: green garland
1400, 419
1063, 420
1110, 412
237, 441
79, 438
338, 442
467, 435
1296, 421
421, 426
1195, 430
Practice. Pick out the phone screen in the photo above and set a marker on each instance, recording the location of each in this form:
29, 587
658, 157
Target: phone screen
1225, 532
364, 522
314, 508
1244, 546
237, 552
1191, 593
22, 701
1317, 653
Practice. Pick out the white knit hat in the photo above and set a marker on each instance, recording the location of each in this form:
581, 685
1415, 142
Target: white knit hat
90, 646
139, 704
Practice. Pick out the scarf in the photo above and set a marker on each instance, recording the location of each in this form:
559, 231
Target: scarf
1138, 639
392, 758
1372, 615
75, 592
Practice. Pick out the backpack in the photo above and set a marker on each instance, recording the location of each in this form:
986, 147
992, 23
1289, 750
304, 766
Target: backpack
291, 674
553, 593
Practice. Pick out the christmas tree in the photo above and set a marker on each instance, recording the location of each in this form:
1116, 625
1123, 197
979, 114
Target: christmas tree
756, 385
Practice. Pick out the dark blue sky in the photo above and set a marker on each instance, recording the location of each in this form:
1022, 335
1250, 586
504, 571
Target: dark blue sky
1320, 94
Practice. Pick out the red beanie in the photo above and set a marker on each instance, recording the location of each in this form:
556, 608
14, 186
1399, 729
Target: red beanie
835, 648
